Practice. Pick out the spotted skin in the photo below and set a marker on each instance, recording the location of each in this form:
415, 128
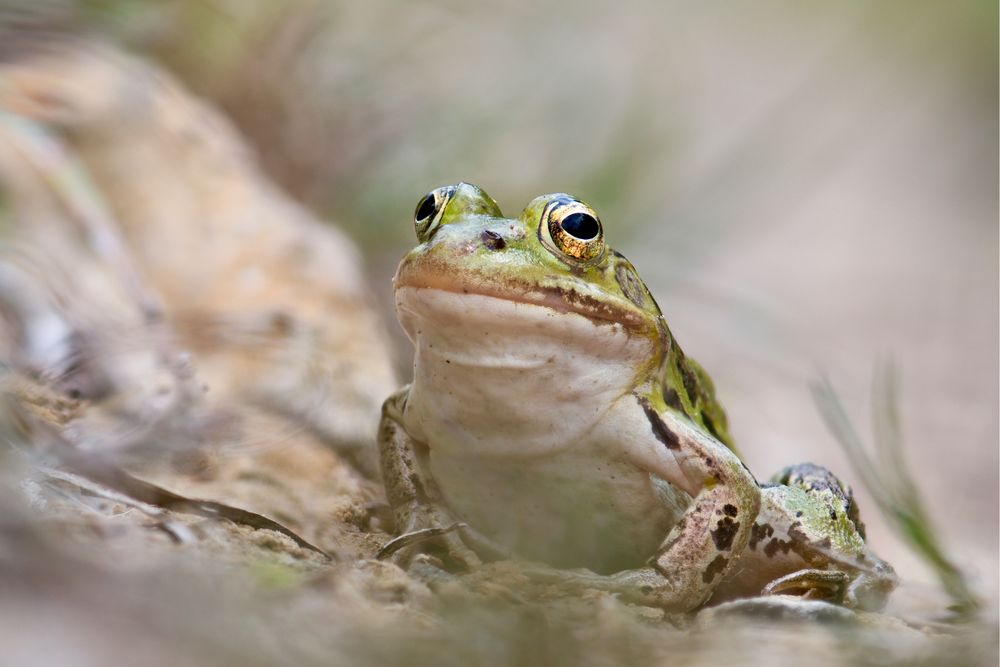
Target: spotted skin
808, 540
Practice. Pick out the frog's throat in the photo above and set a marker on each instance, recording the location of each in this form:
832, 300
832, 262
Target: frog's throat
557, 298
502, 376
478, 331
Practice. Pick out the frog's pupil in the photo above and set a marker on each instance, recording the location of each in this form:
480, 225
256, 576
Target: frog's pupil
425, 208
581, 226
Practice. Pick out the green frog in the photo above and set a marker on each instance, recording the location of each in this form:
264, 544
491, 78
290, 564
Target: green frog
554, 420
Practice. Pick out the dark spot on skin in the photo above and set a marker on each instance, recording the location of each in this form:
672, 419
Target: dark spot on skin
709, 424
725, 531
799, 543
775, 545
673, 399
714, 569
713, 468
418, 487
492, 240
690, 381
758, 533
798, 514
660, 430
814, 478
833, 514
796, 533
854, 515
646, 590
730, 510
630, 284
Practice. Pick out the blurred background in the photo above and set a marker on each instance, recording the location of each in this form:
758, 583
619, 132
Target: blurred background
808, 189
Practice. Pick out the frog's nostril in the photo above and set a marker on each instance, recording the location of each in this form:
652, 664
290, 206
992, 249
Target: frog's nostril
492, 240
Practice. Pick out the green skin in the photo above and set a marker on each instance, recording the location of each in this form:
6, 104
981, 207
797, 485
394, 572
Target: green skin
610, 414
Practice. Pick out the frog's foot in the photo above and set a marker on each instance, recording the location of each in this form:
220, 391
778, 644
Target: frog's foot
790, 608
645, 586
827, 585
430, 525
866, 591
414, 537
814, 513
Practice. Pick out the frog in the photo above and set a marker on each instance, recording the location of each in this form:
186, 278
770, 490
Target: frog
553, 420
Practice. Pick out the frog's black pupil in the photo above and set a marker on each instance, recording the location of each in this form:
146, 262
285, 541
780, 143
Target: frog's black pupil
425, 208
581, 225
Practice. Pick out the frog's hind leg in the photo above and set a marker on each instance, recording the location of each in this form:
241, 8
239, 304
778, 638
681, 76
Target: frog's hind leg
808, 541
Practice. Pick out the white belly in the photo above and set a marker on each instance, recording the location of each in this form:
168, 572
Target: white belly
507, 397
501, 378
569, 509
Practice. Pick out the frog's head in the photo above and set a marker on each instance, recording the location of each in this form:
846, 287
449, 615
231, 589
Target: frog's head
552, 255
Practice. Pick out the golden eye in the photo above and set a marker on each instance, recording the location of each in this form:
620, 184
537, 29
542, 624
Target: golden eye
427, 216
575, 229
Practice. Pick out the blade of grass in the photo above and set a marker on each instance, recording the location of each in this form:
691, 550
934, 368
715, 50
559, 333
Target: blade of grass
887, 477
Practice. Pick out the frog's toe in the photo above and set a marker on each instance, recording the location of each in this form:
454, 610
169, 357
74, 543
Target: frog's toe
870, 591
402, 550
459, 552
777, 608
827, 585
429, 570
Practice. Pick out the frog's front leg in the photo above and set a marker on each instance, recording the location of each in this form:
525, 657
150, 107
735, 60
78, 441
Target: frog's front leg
419, 513
708, 538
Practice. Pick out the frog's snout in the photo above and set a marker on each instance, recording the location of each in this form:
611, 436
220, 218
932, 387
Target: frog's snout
491, 240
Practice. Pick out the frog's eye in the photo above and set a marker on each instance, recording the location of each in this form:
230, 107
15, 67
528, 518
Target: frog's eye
574, 228
429, 211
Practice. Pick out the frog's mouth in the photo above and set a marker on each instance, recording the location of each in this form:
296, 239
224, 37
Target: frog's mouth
557, 298
455, 331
